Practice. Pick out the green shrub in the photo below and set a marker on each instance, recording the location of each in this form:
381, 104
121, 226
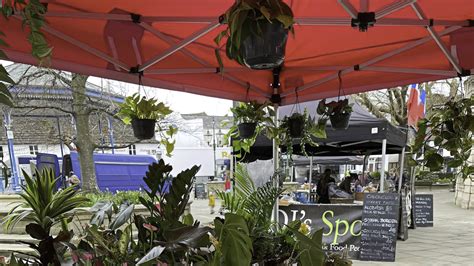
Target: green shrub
118, 198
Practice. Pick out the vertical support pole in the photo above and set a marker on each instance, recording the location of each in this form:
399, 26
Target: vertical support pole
61, 142
364, 168
384, 161
310, 179
111, 134
402, 163
276, 159
214, 145
8, 126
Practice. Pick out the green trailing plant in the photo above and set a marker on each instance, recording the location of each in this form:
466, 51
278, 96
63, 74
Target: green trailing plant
46, 208
449, 127
310, 130
32, 13
136, 107
244, 19
259, 114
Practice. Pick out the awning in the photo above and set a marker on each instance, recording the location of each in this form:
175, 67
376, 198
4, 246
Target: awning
172, 43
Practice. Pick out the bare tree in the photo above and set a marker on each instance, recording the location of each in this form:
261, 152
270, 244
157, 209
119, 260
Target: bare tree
392, 103
76, 103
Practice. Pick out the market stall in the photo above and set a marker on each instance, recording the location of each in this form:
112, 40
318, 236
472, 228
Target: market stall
366, 135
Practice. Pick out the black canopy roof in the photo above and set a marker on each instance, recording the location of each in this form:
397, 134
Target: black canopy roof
363, 136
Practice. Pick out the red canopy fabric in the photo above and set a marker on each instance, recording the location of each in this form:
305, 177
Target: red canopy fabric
172, 42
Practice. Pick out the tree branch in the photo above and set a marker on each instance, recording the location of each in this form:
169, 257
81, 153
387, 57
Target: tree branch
44, 107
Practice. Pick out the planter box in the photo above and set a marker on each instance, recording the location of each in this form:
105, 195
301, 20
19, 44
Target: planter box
81, 218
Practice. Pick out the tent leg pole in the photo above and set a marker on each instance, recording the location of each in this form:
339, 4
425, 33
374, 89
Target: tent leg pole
402, 163
276, 180
310, 179
384, 161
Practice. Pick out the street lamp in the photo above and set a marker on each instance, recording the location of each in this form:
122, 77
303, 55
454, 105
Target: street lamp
214, 139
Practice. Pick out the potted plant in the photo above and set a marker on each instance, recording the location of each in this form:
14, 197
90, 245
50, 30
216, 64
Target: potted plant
249, 120
339, 113
297, 126
256, 33
142, 113
248, 116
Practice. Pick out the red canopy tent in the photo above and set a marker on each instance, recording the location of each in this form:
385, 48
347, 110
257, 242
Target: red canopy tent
172, 43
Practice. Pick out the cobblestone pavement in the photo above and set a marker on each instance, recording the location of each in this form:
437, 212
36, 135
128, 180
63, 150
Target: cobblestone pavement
449, 242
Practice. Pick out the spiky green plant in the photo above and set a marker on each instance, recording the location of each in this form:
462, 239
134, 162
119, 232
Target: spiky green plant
42, 204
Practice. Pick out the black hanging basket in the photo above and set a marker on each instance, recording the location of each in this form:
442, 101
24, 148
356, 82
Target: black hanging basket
143, 128
265, 50
246, 130
296, 126
340, 121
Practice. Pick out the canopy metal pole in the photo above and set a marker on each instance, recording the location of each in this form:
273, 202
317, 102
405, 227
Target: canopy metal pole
276, 181
402, 163
310, 179
15, 186
384, 160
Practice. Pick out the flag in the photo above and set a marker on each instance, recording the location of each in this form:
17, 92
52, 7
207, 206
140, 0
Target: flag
416, 105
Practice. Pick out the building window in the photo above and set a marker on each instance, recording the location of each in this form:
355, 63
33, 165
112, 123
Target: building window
132, 149
1, 153
33, 149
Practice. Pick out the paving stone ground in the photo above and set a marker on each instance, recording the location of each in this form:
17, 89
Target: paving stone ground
449, 242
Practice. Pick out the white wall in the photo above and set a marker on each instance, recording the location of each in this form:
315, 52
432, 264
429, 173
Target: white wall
184, 158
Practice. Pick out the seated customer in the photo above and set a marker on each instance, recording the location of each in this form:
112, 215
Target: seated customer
322, 189
346, 183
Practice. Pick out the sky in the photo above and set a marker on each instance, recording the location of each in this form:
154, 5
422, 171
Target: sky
182, 102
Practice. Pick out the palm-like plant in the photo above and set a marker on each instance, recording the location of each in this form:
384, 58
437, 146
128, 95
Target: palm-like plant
46, 208
42, 204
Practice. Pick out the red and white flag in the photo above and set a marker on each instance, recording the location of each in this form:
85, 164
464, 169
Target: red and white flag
416, 105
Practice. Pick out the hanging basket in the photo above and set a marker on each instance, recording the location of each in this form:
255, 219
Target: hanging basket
296, 126
340, 121
265, 50
143, 128
246, 130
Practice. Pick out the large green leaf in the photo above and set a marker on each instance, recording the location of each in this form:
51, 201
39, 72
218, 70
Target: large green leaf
124, 240
185, 238
100, 210
152, 255
236, 245
122, 217
309, 248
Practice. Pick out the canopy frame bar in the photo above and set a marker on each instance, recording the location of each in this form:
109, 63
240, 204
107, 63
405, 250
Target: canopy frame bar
389, 9
85, 47
419, 12
350, 9
210, 70
170, 42
173, 49
371, 61
364, 5
203, 62
306, 21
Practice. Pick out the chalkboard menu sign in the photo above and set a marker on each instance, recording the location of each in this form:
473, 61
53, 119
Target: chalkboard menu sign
200, 191
424, 210
379, 226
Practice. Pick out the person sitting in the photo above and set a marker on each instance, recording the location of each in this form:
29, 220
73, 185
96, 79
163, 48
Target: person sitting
322, 189
345, 185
